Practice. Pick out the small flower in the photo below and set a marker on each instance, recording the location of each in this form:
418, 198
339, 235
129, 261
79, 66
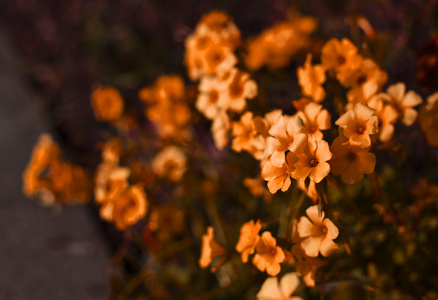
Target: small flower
341, 56
313, 162
351, 162
286, 135
269, 256
310, 79
272, 290
318, 235
358, 124
314, 120
387, 115
129, 207
279, 178
107, 103
249, 235
404, 103
306, 266
170, 163
429, 119
220, 129
210, 249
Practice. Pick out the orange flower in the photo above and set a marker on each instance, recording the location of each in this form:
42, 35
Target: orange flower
310, 79
166, 106
279, 178
170, 163
318, 235
107, 103
129, 207
272, 290
257, 188
276, 45
286, 135
110, 184
220, 128
351, 162
228, 91
249, 235
269, 256
250, 133
341, 56
210, 249
310, 190
358, 124
51, 180
365, 82
404, 103
210, 48
306, 266
314, 120
429, 119
313, 162
387, 115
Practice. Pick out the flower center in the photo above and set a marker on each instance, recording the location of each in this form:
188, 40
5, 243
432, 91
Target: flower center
324, 229
361, 79
351, 156
314, 162
213, 96
341, 60
273, 251
361, 130
313, 129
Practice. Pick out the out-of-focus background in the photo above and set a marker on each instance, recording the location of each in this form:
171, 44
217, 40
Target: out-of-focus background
53, 53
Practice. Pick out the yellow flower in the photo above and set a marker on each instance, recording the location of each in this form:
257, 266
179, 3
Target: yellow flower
358, 124
269, 256
249, 235
310, 79
317, 235
107, 103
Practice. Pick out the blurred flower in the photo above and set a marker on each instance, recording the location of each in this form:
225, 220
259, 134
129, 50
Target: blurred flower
358, 124
107, 103
310, 79
272, 290
404, 102
341, 56
170, 163
166, 106
318, 235
210, 249
130, 206
167, 220
257, 188
220, 128
351, 162
268, 256
228, 91
276, 45
51, 180
429, 119
249, 235
209, 49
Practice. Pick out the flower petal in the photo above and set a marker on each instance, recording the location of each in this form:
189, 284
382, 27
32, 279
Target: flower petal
311, 245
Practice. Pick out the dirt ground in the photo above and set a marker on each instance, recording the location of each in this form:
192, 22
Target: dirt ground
43, 255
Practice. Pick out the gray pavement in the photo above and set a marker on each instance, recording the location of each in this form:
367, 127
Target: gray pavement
43, 255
